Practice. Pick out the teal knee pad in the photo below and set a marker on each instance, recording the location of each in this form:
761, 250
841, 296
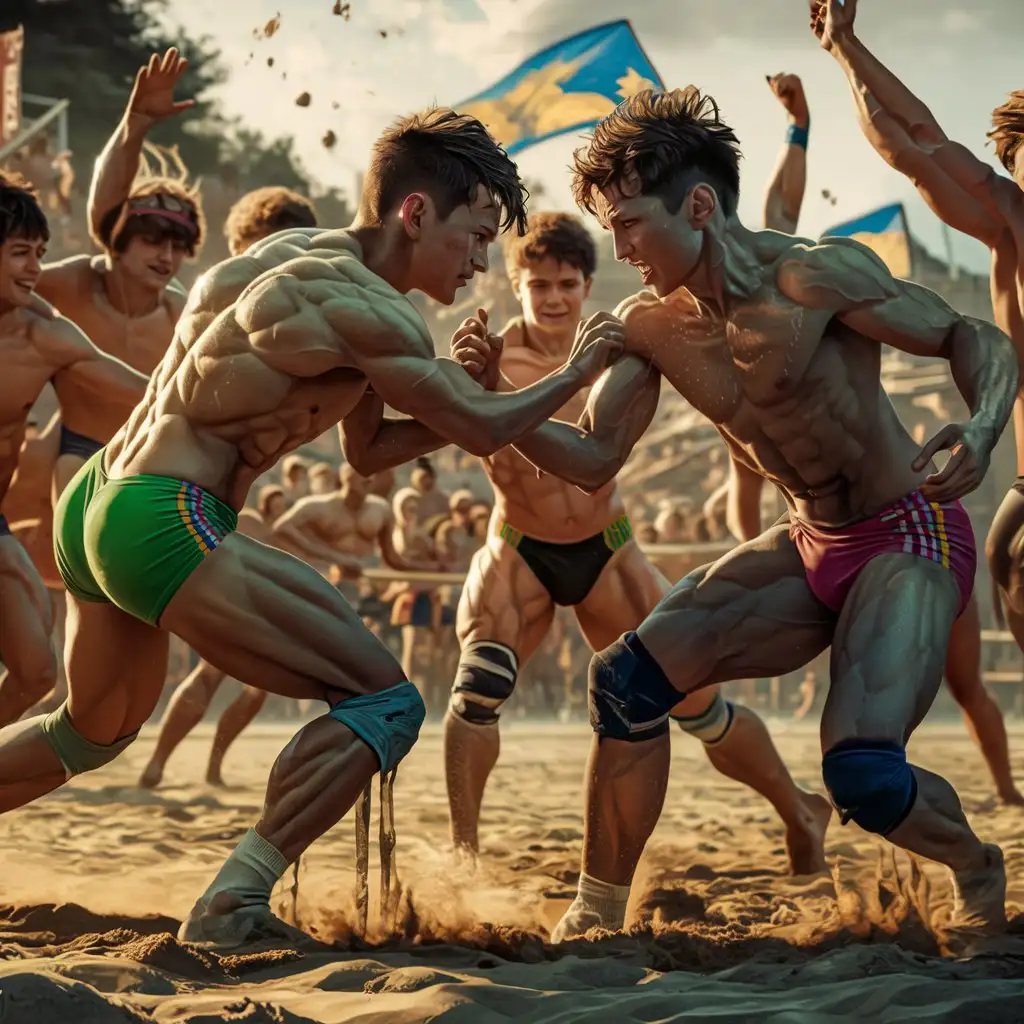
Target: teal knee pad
388, 722
76, 753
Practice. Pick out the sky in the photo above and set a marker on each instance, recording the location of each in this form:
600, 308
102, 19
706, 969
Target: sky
391, 57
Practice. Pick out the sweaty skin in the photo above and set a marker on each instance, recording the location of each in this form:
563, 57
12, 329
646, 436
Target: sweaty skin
38, 346
781, 351
503, 601
275, 347
969, 196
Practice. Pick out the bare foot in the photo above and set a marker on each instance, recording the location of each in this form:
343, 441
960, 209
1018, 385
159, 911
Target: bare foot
805, 841
151, 776
224, 923
1012, 797
214, 778
979, 895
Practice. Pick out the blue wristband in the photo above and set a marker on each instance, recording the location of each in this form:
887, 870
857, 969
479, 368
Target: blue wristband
797, 136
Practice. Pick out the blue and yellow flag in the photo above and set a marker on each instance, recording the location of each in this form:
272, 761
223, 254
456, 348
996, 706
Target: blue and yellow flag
885, 231
569, 86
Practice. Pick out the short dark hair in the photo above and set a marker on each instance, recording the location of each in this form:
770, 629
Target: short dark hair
672, 140
558, 235
21, 216
265, 211
1008, 128
448, 156
424, 463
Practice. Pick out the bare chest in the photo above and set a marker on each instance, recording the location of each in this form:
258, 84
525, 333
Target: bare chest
138, 341
25, 373
524, 367
355, 532
749, 364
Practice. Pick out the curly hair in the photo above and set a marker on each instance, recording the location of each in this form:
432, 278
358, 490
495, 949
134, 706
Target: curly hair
21, 216
263, 212
670, 141
1008, 128
558, 235
448, 156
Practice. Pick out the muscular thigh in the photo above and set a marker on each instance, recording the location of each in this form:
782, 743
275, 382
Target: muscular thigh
627, 591
502, 600
271, 620
889, 649
749, 614
116, 666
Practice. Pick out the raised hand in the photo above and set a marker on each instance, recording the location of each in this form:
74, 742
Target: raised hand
790, 92
832, 20
600, 340
153, 92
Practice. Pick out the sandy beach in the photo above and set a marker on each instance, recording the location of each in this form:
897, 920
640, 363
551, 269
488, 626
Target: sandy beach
97, 876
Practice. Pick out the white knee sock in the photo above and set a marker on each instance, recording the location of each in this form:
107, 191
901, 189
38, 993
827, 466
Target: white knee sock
604, 899
250, 872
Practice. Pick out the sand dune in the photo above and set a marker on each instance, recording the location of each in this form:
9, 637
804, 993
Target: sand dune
97, 877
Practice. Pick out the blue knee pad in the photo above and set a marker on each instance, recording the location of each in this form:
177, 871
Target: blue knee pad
630, 697
388, 722
870, 783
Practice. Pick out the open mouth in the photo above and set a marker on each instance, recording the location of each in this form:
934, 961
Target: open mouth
161, 271
25, 285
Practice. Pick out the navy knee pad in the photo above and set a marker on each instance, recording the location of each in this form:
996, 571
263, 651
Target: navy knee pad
870, 783
630, 697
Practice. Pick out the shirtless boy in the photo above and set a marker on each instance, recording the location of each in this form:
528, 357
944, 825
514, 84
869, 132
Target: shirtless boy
551, 544
37, 346
305, 330
778, 342
970, 197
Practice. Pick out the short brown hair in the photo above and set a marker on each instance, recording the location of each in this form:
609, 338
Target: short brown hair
120, 225
21, 216
672, 140
263, 212
558, 235
1008, 128
448, 156
266, 495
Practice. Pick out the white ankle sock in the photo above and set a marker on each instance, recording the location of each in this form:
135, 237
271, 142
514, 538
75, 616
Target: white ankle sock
250, 872
604, 899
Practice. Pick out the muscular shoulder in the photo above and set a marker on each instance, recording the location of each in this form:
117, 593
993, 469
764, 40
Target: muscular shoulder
60, 281
836, 273
378, 505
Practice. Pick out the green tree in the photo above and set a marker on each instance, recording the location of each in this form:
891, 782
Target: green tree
89, 53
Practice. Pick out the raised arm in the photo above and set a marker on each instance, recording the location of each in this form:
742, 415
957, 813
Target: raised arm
963, 191
373, 442
785, 193
844, 279
152, 100
619, 410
